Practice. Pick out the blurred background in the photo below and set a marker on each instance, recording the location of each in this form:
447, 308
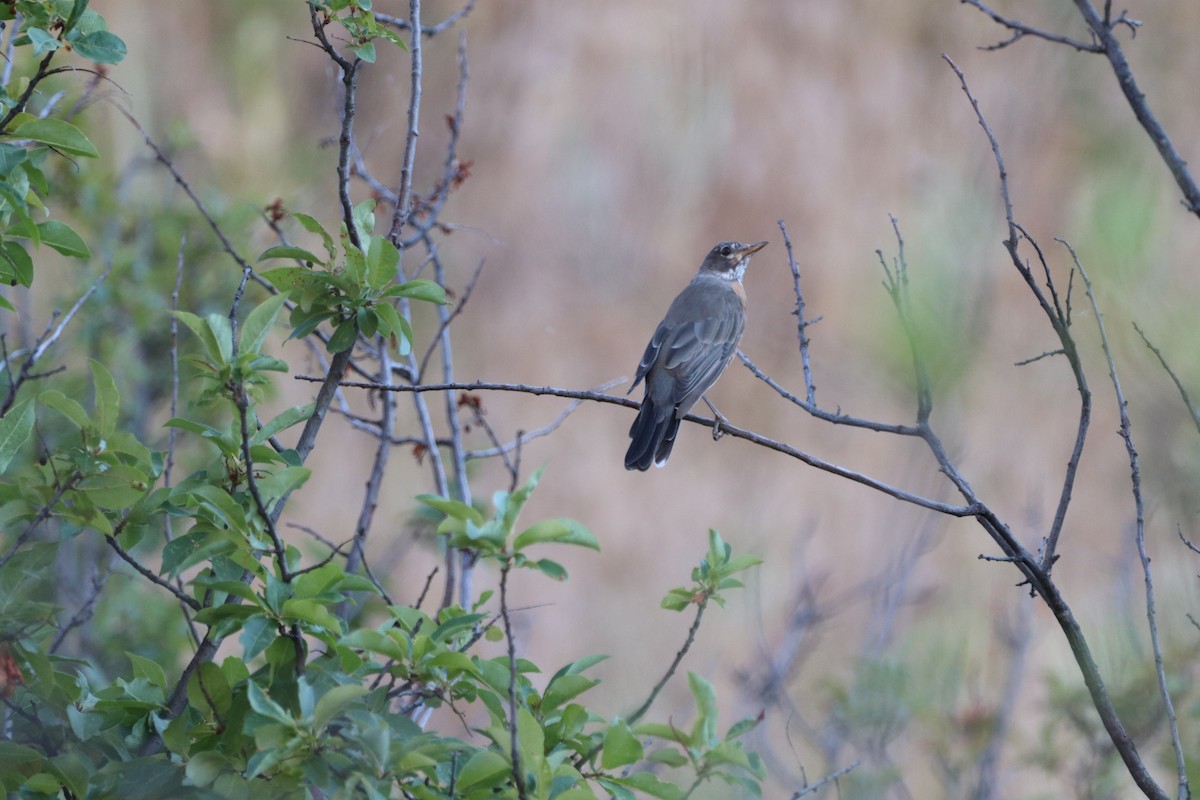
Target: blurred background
611, 145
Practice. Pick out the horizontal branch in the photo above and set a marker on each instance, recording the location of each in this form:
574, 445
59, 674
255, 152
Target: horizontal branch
739, 433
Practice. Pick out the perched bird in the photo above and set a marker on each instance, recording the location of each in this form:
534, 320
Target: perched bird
689, 351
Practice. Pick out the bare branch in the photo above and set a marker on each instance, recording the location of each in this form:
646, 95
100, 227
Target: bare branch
835, 417
1021, 30
810, 390
830, 778
738, 433
1183, 392
1139, 532
1059, 321
404, 193
45, 342
427, 30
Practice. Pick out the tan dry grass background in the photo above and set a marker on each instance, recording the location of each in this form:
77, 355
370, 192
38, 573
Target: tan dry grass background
613, 143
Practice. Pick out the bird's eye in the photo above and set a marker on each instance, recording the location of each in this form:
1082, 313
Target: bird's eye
726, 251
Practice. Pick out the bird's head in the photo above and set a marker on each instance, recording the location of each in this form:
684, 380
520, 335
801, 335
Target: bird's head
728, 260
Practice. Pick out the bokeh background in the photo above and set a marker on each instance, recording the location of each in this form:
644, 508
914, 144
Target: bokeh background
611, 144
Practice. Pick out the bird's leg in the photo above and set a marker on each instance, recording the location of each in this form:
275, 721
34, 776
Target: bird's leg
719, 418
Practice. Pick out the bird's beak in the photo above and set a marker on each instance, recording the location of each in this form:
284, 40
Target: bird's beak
751, 248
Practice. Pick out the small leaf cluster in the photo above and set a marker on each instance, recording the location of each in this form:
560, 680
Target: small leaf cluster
357, 17
712, 576
27, 139
352, 290
494, 538
709, 755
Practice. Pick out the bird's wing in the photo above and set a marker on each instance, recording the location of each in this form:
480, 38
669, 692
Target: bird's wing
697, 352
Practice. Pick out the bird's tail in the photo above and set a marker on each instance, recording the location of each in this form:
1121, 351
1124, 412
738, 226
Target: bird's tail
652, 435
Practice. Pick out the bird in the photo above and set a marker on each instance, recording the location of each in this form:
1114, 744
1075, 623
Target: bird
689, 350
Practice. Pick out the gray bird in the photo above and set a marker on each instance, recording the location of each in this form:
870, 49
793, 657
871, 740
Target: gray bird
689, 351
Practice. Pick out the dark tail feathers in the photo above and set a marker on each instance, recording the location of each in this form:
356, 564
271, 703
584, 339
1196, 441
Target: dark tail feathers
652, 435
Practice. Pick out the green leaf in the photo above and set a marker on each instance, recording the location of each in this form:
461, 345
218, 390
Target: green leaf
42, 41
199, 544
285, 420
365, 51
62, 136
343, 338
565, 688
108, 399
395, 325
15, 428
740, 562
744, 726
364, 220
451, 508
563, 531
311, 225
652, 785
621, 747
419, 289
100, 46
551, 569
334, 702
62, 238
206, 766
258, 323
483, 770
16, 265
312, 612
262, 704
208, 690
677, 599
66, 406
668, 756
374, 642
203, 332
383, 259
289, 251
222, 332
454, 626
704, 731
508, 506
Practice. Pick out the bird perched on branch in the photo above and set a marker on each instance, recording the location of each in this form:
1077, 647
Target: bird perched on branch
689, 351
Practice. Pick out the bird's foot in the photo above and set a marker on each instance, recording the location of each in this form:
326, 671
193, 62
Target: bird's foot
719, 420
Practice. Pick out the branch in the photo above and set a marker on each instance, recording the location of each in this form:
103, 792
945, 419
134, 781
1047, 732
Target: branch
45, 341
226, 245
1140, 533
427, 30
972, 509
810, 390
816, 787
517, 773
1183, 392
404, 193
1059, 319
1021, 30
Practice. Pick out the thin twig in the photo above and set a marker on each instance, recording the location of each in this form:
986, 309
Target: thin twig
1058, 319
46, 341
180, 181
1021, 30
180, 595
810, 390
513, 708
428, 30
830, 778
1183, 392
1139, 531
